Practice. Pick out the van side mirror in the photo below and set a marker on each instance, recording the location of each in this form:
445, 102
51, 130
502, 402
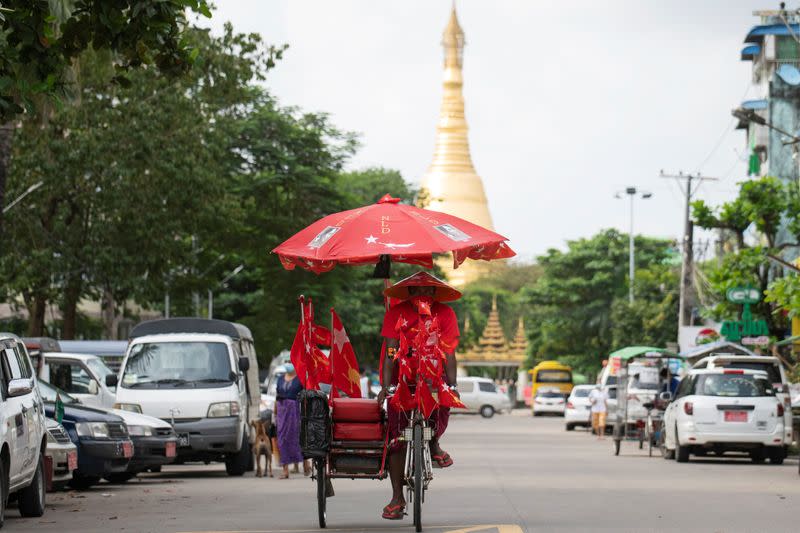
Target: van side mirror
20, 387
665, 396
244, 364
93, 387
111, 380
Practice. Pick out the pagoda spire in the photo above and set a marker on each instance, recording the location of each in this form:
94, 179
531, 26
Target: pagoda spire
518, 348
452, 184
493, 341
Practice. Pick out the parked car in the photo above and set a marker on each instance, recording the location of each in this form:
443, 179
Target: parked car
775, 372
62, 453
23, 436
725, 409
104, 446
481, 395
111, 352
578, 410
83, 376
201, 376
549, 401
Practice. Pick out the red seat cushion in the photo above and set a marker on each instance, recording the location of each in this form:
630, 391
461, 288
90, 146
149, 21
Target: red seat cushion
356, 410
357, 431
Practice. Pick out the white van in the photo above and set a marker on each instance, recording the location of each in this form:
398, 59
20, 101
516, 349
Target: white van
481, 395
775, 373
199, 375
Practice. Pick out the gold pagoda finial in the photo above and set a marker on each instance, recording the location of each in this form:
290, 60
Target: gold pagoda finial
493, 341
451, 182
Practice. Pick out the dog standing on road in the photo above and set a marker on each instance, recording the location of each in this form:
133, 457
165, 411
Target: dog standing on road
262, 446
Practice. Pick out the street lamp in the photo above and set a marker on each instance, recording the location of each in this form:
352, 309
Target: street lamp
23, 195
222, 283
632, 192
749, 115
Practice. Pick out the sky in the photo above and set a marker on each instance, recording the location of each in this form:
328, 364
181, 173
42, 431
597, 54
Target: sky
568, 103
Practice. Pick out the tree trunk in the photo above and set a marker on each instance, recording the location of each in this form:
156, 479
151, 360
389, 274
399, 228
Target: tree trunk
69, 311
6, 134
36, 316
109, 315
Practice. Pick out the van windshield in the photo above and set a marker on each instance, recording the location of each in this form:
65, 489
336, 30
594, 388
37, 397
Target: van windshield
177, 365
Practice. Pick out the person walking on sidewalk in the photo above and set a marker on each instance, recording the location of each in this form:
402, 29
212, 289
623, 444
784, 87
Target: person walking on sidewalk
599, 400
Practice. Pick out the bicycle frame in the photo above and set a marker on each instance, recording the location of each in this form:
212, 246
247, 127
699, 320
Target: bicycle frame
416, 419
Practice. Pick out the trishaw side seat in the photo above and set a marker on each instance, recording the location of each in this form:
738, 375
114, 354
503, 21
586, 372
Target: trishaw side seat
356, 410
358, 431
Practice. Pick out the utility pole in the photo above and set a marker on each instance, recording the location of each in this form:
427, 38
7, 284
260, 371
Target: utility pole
686, 301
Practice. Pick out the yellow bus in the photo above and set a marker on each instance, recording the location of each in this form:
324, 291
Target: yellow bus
551, 375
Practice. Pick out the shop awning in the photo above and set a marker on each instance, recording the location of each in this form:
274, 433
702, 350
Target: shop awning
757, 34
750, 52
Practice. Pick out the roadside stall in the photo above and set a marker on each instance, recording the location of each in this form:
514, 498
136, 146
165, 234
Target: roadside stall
644, 374
348, 437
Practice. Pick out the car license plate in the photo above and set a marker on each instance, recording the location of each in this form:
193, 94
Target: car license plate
735, 416
72, 460
171, 449
127, 449
183, 440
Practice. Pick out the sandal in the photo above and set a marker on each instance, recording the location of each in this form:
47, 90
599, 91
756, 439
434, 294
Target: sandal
284, 476
394, 512
443, 460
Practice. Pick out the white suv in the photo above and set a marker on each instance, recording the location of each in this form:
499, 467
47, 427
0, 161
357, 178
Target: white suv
725, 409
23, 442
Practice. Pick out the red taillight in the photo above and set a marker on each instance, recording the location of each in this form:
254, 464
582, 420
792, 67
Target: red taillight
570, 406
733, 371
780, 409
688, 408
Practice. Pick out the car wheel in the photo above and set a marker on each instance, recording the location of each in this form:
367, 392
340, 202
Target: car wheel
81, 482
776, 456
236, 464
31, 498
155, 469
3, 492
487, 411
570, 427
662, 445
120, 477
758, 457
681, 452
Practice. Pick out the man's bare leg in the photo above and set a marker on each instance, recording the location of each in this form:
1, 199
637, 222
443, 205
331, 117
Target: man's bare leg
396, 467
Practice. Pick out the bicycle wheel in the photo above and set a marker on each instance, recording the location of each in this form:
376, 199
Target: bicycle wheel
319, 465
649, 427
418, 482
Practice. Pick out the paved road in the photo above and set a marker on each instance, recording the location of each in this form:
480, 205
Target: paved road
513, 471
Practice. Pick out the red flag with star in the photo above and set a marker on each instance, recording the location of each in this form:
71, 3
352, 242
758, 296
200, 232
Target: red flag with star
448, 399
344, 366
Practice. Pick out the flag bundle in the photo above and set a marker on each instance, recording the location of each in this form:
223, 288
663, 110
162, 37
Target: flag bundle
311, 364
421, 358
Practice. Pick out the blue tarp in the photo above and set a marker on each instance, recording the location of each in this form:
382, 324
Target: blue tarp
750, 52
755, 105
757, 34
789, 73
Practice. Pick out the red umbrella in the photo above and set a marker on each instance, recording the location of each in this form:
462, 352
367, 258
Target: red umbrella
405, 233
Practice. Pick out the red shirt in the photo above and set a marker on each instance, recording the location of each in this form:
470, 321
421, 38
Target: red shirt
448, 324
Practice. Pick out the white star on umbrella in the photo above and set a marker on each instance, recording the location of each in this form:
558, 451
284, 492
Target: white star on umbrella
371, 239
340, 338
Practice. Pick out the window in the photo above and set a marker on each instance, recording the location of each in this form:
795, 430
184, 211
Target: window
733, 386
12, 362
549, 394
553, 376
486, 386
772, 370
178, 364
49, 393
581, 393
466, 386
786, 48
685, 387
72, 377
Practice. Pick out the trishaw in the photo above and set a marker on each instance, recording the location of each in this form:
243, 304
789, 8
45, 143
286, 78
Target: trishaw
640, 408
357, 443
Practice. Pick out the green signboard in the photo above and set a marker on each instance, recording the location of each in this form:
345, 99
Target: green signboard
747, 328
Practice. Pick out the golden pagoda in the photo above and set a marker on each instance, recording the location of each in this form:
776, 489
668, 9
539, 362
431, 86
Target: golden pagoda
452, 184
493, 342
518, 348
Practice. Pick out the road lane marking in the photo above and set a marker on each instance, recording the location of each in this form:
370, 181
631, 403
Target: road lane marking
499, 528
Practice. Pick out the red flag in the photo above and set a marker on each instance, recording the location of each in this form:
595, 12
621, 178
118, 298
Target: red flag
448, 399
298, 354
427, 403
402, 399
345, 373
